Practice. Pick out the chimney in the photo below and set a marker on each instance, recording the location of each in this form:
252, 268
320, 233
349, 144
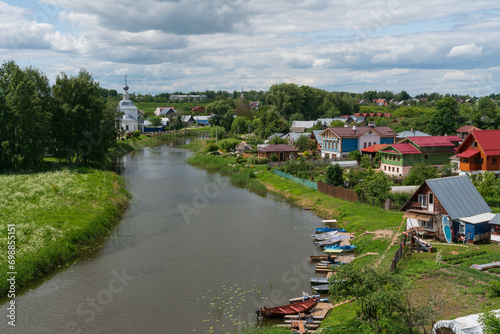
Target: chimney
413, 131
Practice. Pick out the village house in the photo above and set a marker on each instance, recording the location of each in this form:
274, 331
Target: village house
397, 159
243, 147
165, 111
464, 131
373, 114
188, 120
292, 137
372, 150
316, 136
452, 201
198, 109
338, 142
202, 120
282, 151
480, 152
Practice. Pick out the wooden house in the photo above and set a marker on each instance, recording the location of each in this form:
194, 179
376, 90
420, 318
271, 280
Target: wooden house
339, 141
464, 131
480, 152
452, 201
397, 159
284, 152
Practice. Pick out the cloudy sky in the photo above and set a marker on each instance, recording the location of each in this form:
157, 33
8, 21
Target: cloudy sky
445, 46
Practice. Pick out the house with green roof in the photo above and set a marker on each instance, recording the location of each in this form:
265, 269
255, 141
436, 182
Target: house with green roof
397, 159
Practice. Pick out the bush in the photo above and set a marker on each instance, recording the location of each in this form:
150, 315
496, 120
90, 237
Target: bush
494, 289
262, 161
211, 147
137, 134
240, 159
274, 157
229, 145
220, 131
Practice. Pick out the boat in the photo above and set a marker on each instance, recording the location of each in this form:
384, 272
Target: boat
325, 235
340, 249
281, 311
305, 296
331, 241
329, 229
318, 258
323, 288
318, 280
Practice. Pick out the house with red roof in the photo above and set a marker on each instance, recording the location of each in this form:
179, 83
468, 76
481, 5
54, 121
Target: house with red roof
464, 131
480, 152
372, 150
198, 109
339, 141
397, 159
282, 151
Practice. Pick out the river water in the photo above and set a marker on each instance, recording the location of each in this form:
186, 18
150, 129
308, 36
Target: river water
193, 254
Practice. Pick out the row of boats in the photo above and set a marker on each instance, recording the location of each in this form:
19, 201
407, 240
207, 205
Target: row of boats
329, 238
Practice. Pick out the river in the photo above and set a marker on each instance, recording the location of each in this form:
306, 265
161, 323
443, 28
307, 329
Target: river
193, 254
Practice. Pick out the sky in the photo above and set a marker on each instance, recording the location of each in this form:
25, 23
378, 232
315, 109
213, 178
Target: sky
444, 46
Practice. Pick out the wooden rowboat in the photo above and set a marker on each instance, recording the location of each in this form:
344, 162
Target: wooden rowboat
281, 311
318, 258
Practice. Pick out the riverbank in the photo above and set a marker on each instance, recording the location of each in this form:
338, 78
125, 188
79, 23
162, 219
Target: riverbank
55, 216
442, 282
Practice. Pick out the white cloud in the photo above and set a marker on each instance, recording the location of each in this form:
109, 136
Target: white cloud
466, 50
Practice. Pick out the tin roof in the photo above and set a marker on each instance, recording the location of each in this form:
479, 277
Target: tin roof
278, 148
489, 140
458, 196
427, 141
404, 148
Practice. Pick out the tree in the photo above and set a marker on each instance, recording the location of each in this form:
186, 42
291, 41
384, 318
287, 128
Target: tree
84, 128
334, 175
378, 186
155, 121
25, 115
419, 173
446, 118
302, 143
218, 110
337, 124
354, 155
286, 97
239, 126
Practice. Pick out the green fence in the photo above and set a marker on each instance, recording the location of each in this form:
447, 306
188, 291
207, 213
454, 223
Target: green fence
309, 184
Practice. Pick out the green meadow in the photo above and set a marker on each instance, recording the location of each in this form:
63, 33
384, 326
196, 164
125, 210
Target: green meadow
57, 215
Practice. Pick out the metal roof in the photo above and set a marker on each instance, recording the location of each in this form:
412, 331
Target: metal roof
495, 220
458, 196
481, 218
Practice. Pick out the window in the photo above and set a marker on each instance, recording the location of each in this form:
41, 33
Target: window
426, 224
370, 132
385, 167
365, 145
385, 156
393, 169
461, 228
422, 199
426, 156
431, 198
493, 161
476, 161
473, 144
126, 127
399, 157
465, 160
397, 170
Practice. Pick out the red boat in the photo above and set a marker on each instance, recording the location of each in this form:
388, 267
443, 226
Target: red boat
281, 311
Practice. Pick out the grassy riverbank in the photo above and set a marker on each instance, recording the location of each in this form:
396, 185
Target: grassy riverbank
131, 144
56, 216
442, 281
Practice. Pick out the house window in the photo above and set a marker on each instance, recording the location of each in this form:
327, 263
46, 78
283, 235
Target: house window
365, 145
385, 168
461, 228
422, 199
393, 169
473, 145
385, 156
465, 160
126, 127
493, 161
426, 224
431, 198
476, 161
397, 170
399, 157
370, 132
426, 156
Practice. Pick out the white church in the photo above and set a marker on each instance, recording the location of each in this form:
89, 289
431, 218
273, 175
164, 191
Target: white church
129, 120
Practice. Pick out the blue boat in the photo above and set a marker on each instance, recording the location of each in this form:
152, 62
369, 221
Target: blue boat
329, 229
339, 249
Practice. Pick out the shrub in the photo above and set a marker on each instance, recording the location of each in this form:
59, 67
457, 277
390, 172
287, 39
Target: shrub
240, 159
274, 157
262, 161
137, 134
229, 145
212, 147
494, 289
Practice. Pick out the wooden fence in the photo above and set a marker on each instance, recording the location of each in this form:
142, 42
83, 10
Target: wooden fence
345, 194
399, 253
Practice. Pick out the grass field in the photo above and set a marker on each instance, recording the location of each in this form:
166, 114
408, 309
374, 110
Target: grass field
56, 216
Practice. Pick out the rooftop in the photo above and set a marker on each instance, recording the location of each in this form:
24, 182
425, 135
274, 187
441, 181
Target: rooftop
278, 148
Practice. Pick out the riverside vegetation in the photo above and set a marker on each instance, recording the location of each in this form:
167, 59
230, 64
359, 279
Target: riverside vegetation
426, 287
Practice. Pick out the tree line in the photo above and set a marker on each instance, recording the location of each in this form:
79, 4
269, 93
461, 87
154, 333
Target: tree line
69, 120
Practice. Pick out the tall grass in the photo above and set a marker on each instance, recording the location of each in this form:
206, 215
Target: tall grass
56, 215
